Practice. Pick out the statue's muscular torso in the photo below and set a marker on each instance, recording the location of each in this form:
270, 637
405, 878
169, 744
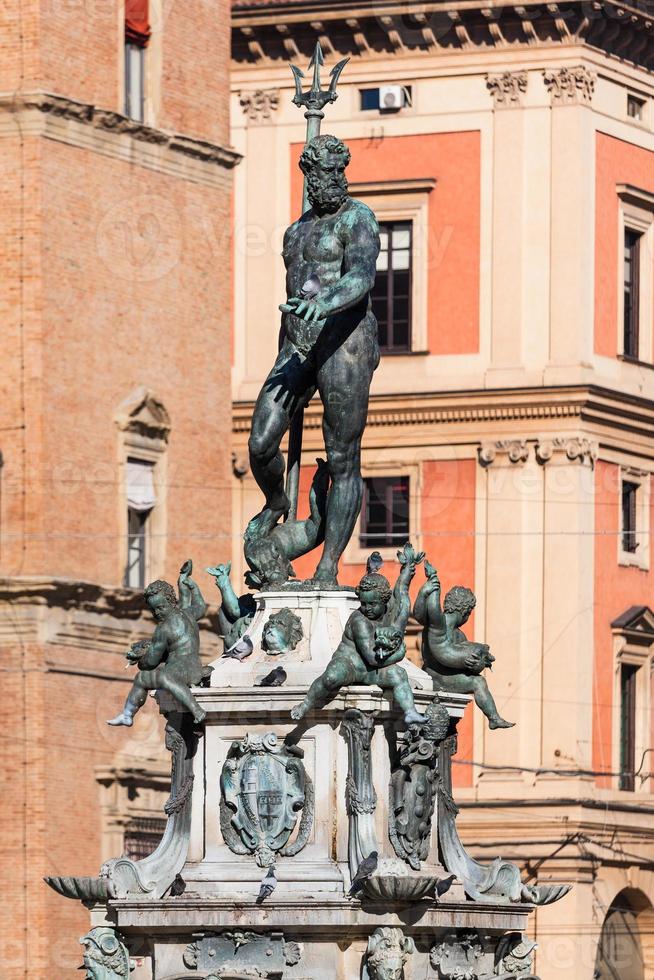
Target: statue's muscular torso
316, 245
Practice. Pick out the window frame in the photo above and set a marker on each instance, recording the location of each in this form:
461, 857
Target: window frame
385, 349
406, 200
130, 49
633, 647
401, 537
387, 464
641, 481
636, 214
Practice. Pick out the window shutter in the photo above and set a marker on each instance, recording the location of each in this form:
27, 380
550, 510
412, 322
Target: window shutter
140, 485
137, 23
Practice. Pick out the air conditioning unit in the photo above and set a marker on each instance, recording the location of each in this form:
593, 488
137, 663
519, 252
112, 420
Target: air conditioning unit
392, 97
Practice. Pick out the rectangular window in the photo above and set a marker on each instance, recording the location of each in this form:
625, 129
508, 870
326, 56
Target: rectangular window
628, 678
635, 107
385, 512
631, 292
134, 81
391, 295
388, 98
141, 498
142, 835
629, 517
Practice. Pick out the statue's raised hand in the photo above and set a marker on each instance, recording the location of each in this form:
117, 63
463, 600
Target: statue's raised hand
220, 572
186, 569
409, 556
432, 577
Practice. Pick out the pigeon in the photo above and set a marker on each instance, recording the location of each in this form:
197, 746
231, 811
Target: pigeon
443, 885
367, 867
374, 563
275, 678
241, 649
268, 885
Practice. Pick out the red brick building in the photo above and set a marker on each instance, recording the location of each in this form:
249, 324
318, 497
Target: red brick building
114, 416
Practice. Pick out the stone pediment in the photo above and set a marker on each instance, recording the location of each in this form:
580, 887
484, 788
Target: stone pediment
143, 413
637, 624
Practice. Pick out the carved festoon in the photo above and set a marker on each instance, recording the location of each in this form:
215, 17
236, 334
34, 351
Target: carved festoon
507, 89
412, 787
260, 103
570, 85
105, 955
264, 788
387, 954
242, 952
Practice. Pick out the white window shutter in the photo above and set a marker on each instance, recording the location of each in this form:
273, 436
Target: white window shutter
140, 485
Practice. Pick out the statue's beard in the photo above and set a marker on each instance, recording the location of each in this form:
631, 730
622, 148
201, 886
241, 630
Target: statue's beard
326, 197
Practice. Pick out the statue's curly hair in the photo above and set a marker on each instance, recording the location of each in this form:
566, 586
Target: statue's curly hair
290, 623
320, 145
459, 600
165, 588
374, 582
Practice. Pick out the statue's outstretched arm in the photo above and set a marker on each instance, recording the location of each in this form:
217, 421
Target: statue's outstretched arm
190, 596
400, 606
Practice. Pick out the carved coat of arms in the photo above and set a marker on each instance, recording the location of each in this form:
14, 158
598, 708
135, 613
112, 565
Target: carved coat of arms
458, 956
264, 788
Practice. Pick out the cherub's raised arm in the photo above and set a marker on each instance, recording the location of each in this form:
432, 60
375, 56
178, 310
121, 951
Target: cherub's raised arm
400, 605
427, 609
190, 596
230, 605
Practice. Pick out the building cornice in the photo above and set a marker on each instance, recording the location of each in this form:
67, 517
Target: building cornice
586, 403
270, 31
104, 131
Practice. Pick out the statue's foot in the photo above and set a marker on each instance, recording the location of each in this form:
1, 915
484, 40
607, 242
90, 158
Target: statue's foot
299, 711
325, 577
262, 524
122, 719
414, 717
497, 722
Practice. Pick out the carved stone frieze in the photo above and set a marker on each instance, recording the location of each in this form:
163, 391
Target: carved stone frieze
514, 956
387, 954
575, 449
515, 450
264, 787
259, 104
507, 89
570, 86
105, 956
242, 952
412, 787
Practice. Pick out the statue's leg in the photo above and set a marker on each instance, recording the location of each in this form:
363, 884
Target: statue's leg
145, 680
484, 700
339, 672
397, 680
182, 693
283, 392
344, 385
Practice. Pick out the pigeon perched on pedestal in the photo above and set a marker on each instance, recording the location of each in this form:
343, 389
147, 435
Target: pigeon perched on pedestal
268, 885
275, 678
241, 649
443, 885
367, 867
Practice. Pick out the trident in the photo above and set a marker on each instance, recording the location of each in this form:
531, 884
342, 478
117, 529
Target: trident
313, 101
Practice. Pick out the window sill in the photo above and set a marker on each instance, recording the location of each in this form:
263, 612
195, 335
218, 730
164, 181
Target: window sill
403, 353
635, 361
627, 560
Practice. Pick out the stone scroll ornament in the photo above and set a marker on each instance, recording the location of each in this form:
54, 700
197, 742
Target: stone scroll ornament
242, 953
413, 786
155, 874
499, 881
264, 789
387, 954
105, 956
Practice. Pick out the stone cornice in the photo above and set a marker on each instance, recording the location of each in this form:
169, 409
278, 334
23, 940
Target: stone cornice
273, 30
89, 127
610, 410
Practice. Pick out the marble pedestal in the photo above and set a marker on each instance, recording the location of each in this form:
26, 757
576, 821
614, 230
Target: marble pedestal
317, 797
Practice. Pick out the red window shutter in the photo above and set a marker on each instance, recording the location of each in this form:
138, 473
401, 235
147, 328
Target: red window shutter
137, 24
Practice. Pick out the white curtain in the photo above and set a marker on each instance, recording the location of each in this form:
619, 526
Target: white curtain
140, 485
